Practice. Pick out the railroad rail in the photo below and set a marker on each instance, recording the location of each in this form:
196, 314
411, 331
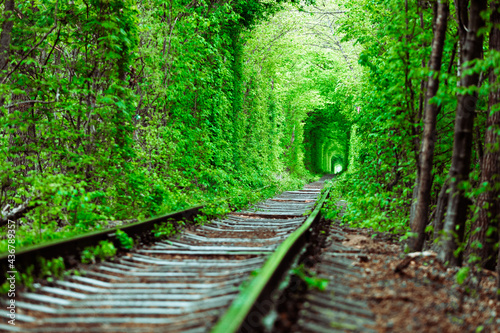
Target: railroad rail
74, 245
183, 284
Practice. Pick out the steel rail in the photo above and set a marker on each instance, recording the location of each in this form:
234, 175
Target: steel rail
73, 246
268, 276
181, 284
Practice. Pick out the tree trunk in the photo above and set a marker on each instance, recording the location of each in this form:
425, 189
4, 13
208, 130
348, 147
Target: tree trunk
462, 18
418, 117
498, 275
5, 37
429, 136
414, 196
489, 202
442, 203
456, 213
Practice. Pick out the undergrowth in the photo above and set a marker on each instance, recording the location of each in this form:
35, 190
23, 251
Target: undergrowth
366, 207
217, 203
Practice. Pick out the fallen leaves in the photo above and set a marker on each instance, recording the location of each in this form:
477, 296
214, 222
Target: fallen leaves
415, 293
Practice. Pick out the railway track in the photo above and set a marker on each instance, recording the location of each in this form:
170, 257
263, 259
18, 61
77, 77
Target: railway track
334, 309
184, 284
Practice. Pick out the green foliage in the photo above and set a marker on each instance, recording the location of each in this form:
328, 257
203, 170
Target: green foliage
309, 279
386, 112
24, 278
126, 242
103, 251
212, 210
4, 288
47, 269
51, 269
462, 274
330, 211
164, 230
27, 277
123, 109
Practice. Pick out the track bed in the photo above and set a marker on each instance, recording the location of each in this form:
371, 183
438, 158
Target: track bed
183, 284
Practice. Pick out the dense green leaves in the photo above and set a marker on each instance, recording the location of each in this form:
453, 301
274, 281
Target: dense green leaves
120, 109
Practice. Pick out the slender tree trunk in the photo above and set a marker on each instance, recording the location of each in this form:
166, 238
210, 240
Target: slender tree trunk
430, 119
456, 213
442, 203
418, 117
6, 34
498, 275
414, 196
462, 18
489, 202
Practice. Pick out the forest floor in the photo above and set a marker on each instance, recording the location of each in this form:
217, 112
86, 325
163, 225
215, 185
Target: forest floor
420, 294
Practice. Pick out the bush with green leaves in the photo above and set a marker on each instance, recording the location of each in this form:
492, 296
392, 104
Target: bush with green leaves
164, 230
104, 250
125, 241
310, 279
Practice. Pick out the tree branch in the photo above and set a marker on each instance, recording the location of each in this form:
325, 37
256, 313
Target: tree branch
15, 213
28, 102
33, 48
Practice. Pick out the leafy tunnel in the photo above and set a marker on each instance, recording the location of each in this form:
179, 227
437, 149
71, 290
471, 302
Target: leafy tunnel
113, 111
120, 109
327, 134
